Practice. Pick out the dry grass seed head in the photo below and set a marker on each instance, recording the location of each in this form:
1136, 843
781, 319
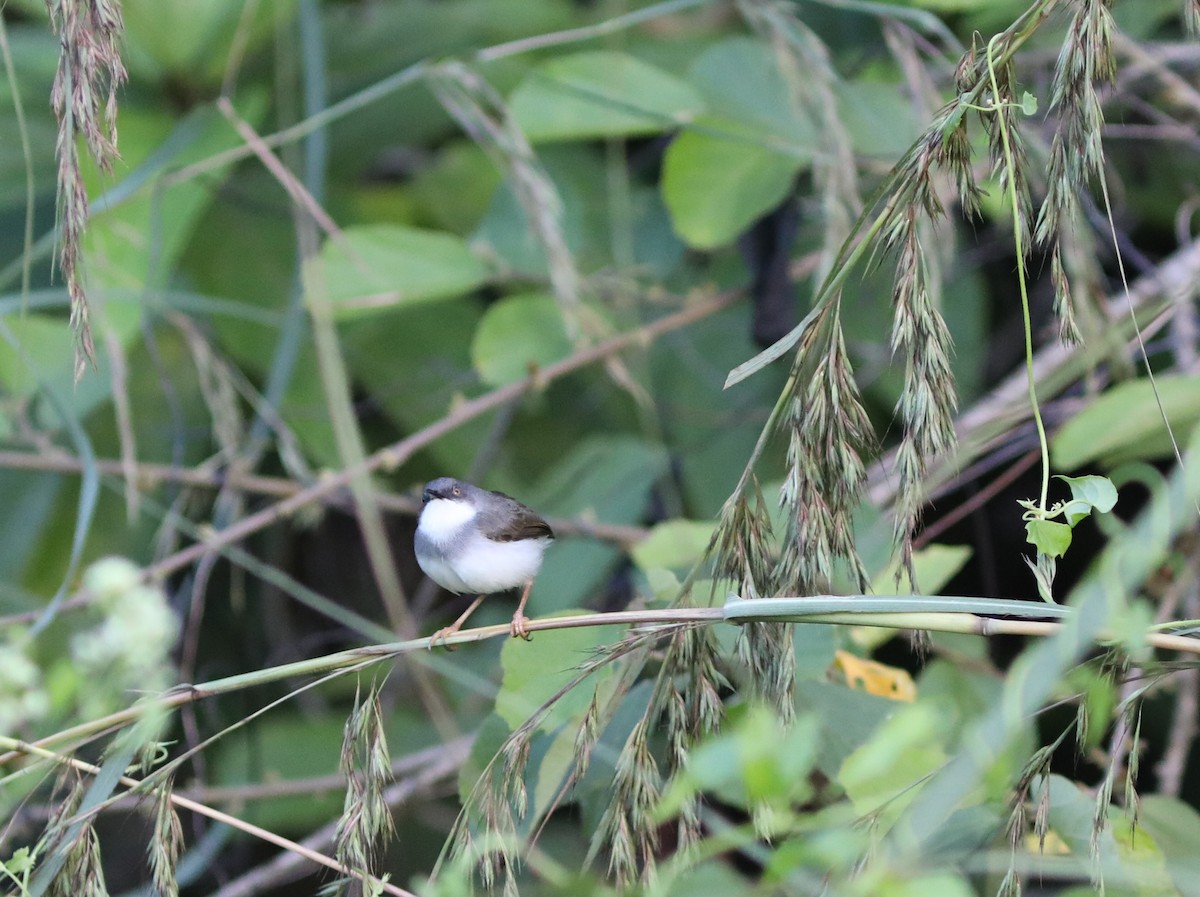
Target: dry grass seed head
628, 829
166, 844
84, 98
484, 116
366, 818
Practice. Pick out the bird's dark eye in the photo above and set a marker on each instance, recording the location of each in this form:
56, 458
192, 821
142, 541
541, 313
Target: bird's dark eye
456, 491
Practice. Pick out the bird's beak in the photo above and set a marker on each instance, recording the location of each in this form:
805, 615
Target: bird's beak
427, 496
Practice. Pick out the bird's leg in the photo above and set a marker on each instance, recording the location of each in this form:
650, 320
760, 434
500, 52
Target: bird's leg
517, 627
448, 631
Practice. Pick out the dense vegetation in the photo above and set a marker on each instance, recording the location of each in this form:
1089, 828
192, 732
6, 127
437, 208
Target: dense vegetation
789, 316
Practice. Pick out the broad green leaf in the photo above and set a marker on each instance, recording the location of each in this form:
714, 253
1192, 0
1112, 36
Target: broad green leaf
192, 39
739, 161
134, 243
719, 177
456, 188
1097, 492
754, 760
605, 478
673, 544
370, 269
1124, 423
30, 502
934, 884
935, 565
879, 125
952, 6
741, 82
1175, 827
489, 739
552, 756
425, 347
816, 645
847, 717
888, 767
508, 237
46, 356
517, 335
1049, 537
534, 672
1099, 700
714, 876
1125, 854
601, 93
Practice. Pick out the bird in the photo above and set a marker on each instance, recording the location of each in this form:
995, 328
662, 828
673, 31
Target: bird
471, 540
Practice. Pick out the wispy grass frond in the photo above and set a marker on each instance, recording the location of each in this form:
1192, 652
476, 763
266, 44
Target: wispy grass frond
84, 97
828, 432
628, 828
166, 844
485, 835
483, 114
81, 873
366, 818
804, 61
1076, 153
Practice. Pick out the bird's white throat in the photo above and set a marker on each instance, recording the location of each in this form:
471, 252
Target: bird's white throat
443, 519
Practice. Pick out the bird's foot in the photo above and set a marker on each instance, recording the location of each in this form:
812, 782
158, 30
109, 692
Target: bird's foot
441, 635
518, 627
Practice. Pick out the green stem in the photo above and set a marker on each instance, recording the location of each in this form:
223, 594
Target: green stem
1010, 164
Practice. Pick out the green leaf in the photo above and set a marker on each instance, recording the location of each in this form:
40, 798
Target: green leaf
932, 884
741, 82
935, 565
1095, 492
533, 673
517, 334
188, 40
1074, 511
433, 365
740, 160
601, 93
46, 357
1050, 538
605, 478
848, 718
1043, 568
673, 544
878, 126
755, 760
888, 768
377, 267
1125, 423
720, 177
1175, 827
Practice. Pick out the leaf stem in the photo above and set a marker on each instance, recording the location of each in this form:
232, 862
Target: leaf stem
1010, 165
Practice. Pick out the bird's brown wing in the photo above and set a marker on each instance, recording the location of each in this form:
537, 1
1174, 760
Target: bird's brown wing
514, 522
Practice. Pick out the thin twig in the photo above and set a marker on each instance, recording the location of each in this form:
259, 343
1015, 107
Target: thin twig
21, 747
147, 474
289, 865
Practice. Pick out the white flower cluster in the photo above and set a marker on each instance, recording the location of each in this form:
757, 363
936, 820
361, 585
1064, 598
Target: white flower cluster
130, 649
22, 697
